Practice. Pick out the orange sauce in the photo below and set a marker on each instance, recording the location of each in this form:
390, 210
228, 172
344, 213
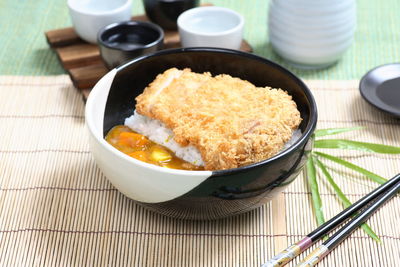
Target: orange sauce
140, 147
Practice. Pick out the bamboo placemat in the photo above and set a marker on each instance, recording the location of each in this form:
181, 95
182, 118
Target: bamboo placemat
57, 209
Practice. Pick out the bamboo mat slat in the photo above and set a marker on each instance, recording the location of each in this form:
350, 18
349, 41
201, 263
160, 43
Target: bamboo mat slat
57, 209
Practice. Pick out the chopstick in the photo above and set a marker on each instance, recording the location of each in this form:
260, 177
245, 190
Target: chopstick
380, 195
316, 255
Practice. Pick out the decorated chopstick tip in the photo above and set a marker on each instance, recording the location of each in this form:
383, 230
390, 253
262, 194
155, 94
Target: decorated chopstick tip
289, 253
314, 257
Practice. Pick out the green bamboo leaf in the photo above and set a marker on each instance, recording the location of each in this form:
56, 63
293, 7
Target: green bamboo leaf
316, 198
337, 189
371, 175
367, 229
345, 201
355, 145
331, 131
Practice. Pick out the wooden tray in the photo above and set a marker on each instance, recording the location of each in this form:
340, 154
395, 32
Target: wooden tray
82, 60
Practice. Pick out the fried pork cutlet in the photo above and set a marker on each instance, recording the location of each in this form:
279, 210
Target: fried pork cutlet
230, 121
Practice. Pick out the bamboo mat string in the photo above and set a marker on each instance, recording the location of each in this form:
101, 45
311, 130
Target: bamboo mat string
57, 209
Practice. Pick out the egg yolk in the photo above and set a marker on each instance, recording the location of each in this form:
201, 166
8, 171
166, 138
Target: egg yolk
141, 148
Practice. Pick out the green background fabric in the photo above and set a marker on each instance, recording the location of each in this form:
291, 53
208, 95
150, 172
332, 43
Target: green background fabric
24, 50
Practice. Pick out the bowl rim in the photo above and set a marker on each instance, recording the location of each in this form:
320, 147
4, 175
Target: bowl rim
143, 24
193, 12
306, 134
73, 5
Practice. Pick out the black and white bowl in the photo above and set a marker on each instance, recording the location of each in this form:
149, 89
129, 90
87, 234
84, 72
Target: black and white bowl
195, 194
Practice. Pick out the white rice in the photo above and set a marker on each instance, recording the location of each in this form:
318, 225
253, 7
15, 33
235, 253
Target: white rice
157, 132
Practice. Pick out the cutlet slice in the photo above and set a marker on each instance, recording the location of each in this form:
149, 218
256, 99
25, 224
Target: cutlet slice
184, 81
229, 121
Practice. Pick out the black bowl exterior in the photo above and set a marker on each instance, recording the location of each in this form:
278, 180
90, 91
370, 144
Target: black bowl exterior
226, 192
166, 12
146, 38
235, 192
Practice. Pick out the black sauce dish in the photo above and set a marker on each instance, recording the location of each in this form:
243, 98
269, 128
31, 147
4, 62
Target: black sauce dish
124, 41
381, 88
195, 194
166, 12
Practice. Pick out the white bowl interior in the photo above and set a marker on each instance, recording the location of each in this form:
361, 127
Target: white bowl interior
210, 20
97, 6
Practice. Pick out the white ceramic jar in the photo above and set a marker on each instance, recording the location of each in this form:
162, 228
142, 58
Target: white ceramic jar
311, 33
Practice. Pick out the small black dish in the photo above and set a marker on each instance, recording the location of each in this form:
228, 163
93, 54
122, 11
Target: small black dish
381, 88
166, 12
124, 41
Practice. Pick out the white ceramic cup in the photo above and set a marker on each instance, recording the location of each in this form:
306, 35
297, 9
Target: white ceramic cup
311, 34
89, 16
211, 27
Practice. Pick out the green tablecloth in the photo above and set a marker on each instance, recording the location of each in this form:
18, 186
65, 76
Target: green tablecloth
24, 50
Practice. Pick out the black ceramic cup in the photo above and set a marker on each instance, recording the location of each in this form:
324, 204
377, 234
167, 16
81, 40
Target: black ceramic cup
124, 41
166, 12
195, 194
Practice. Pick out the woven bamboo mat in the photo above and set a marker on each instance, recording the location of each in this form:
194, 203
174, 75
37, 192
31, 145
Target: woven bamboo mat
57, 209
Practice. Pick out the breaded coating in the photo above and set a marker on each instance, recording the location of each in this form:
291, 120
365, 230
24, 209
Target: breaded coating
230, 121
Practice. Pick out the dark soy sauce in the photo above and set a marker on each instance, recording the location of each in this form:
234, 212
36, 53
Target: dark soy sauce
131, 38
